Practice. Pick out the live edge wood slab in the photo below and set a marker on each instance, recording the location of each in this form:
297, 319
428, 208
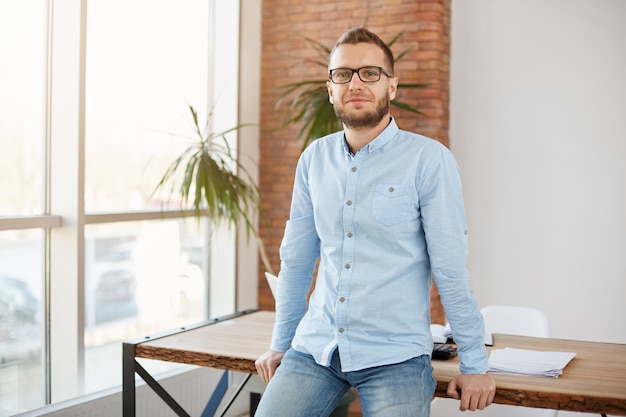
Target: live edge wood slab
594, 381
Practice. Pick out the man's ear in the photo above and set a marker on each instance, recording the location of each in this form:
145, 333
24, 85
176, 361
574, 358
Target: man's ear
393, 88
329, 87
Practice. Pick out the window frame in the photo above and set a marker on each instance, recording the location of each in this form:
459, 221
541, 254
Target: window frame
64, 218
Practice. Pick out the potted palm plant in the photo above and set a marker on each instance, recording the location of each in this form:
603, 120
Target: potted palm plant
208, 178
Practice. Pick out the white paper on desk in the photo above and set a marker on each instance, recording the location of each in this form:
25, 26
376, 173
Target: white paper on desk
440, 332
528, 362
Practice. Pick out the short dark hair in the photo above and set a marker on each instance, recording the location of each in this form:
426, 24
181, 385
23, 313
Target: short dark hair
359, 34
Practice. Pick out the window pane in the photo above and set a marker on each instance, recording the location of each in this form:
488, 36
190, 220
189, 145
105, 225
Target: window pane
22, 383
141, 278
22, 77
146, 60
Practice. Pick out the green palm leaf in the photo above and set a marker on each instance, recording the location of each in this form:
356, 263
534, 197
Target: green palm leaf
208, 178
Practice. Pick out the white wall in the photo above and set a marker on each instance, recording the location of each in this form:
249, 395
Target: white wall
538, 126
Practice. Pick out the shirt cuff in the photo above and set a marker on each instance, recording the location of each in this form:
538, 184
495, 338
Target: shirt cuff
474, 361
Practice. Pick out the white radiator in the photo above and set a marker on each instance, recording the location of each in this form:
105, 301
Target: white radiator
191, 389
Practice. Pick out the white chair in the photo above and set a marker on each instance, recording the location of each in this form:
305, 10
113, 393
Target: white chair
522, 321
272, 281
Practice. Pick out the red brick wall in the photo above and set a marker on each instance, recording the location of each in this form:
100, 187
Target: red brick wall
285, 24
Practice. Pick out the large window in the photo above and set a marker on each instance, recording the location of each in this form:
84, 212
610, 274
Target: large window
93, 107
22, 122
146, 60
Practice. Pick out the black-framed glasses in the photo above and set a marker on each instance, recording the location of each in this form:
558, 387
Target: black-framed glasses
366, 74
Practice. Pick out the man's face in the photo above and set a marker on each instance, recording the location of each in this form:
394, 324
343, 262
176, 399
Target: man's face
361, 104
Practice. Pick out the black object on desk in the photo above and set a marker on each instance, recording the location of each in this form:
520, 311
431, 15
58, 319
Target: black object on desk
444, 351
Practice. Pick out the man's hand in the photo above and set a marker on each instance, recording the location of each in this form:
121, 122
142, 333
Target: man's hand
267, 363
475, 391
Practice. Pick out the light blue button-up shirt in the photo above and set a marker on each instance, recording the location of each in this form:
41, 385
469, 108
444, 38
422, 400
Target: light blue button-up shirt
380, 222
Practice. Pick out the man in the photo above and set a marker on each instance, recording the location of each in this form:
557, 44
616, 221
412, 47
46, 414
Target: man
382, 210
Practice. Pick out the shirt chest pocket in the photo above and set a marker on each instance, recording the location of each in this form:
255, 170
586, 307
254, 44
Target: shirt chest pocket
392, 204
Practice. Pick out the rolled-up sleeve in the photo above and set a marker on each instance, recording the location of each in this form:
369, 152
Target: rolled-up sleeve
445, 228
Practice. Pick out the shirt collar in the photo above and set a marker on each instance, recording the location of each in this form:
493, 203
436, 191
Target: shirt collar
380, 140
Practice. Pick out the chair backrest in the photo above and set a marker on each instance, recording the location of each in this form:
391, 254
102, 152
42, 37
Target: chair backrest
272, 281
521, 321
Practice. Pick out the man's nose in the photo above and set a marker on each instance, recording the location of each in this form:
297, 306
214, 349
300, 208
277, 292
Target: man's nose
355, 82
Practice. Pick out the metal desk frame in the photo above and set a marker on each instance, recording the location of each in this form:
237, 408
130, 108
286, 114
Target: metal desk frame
130, 367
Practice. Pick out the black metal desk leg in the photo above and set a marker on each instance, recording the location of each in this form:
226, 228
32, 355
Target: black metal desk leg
235, 394
128, 380
255, 398
160, 391
129, 367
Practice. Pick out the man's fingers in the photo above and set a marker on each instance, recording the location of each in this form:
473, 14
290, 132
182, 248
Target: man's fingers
264, 371
452, 390
259, 370
266, 364
474, 391
264, 374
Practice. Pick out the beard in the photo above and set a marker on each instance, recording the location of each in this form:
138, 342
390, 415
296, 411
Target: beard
365, 120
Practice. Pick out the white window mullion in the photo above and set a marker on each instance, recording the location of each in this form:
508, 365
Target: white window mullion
65, 127
249, 113
224, 70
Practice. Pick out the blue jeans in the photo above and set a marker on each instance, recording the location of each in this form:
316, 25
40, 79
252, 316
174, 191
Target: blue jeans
302, 388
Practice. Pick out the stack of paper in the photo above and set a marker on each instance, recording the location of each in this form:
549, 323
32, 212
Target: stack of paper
528, 362
443, 334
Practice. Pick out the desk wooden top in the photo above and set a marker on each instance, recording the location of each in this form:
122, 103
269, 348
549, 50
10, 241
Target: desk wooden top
594, 381
231, 344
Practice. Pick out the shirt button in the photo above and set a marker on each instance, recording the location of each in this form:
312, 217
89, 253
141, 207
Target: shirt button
341, 330
349, 234
353, 169
347, 266
391, 189
342, 299
349, 202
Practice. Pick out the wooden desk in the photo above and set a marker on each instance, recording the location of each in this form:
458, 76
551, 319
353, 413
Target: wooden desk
594, 381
